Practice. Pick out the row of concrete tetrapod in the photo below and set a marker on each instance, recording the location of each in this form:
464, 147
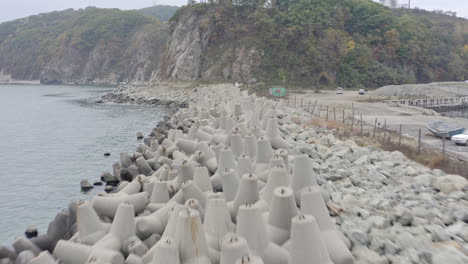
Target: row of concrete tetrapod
214, 183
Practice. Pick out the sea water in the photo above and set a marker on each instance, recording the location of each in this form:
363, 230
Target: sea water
51, 138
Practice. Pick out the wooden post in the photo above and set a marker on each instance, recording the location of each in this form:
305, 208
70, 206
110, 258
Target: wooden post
308, 107
294, 101
320, 110
399, 136
375, 127
334, 114
302, 99
361, 125
343, 116
384, 130
352, 118
313, 109
419, 141
327, 112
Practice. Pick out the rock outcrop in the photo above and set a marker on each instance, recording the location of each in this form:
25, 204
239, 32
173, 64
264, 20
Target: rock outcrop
192, 55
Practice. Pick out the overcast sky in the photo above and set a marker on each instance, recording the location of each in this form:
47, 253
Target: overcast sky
13, 9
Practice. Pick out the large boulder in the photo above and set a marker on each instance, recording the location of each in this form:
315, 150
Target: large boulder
450, 183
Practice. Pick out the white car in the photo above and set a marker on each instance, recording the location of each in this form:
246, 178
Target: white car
339, 90
460, 139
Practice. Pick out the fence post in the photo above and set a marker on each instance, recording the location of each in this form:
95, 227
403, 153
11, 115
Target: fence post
308, 107
419, 141
343, 116
334, 114
294, 101
361, 126
320, 110
384, 130
375, 128
302, 99
327, 112
313, 109
399, 136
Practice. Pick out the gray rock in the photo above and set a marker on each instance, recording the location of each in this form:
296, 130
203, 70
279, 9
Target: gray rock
358, 238
404, 216
438, 233
365, 256
378, 221
450, 183
362, 160
461, 214
449, 255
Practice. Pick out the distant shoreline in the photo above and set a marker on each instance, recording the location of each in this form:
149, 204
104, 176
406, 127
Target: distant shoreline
20, 82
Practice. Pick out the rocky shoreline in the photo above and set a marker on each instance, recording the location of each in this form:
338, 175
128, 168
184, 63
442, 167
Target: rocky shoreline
137, 95
290, 193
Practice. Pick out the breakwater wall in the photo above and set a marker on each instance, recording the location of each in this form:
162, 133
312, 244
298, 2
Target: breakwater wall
439, 104
241, 179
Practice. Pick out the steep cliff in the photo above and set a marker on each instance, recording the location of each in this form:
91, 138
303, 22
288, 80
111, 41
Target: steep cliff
197, 51
100, 46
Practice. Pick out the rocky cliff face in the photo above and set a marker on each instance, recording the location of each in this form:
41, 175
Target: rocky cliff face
108, 63
191, 53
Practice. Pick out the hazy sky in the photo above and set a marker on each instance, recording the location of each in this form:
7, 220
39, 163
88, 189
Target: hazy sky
13, 9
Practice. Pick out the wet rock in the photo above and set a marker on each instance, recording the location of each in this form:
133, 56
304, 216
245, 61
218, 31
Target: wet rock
31, 232
85, 185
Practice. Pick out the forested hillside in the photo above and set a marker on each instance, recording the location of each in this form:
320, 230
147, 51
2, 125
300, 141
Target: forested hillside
88, 45
314, 43
161, 12
353, 43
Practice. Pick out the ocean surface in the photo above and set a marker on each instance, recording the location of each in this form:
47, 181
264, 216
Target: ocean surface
51, 138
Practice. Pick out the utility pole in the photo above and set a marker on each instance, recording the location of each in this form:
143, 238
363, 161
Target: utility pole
409, 4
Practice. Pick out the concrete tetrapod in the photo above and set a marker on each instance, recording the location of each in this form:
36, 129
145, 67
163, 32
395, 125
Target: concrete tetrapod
217, 224
159, 197
273, 134
107, 205
283, 208
44, 258
251, 226
306, 242
190, 236
74, 253
303, 175
237, 144
230, 182
247, 193
312, 203
233, 247
90, 228
201, 177
165, 251
277, 178
249, 259
226, 161
244, 165
250, 146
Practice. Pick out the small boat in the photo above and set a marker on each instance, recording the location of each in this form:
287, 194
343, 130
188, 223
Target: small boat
444, 130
